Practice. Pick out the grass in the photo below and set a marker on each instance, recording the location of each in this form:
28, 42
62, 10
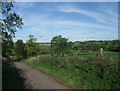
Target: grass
10, 77
76, 73
113, 55
60, 74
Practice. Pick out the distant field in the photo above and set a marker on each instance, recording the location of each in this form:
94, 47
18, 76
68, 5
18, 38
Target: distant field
45, 47
75, 73
113, 55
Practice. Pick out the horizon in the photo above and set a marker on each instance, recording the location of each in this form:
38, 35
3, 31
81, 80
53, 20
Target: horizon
76, 41
76, 21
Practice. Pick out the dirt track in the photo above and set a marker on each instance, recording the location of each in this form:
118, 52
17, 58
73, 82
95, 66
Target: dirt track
34, 79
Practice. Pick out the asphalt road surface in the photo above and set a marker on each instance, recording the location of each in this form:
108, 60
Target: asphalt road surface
34, 79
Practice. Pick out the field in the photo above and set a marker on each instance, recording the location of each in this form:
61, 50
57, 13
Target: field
82, 70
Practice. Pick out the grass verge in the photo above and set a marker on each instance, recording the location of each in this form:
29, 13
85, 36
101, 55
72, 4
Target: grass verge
80, 73
87, 70
10, 77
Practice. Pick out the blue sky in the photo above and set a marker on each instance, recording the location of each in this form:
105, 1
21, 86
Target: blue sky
77, 21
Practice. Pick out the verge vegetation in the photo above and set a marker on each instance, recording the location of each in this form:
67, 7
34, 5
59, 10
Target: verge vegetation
10, 77
84, 71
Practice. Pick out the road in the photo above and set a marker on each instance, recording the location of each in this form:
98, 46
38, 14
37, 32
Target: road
34, 79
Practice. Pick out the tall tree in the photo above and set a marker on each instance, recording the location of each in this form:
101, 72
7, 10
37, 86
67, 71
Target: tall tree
59, 45
8, 47
32, 46
19, 49
10, 22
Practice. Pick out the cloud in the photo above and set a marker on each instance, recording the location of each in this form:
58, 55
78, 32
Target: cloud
48, 25
81, 35
44, 22
73, 30
106, 17
20, 7
100, 17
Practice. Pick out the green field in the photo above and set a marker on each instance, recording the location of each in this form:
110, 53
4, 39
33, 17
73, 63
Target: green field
75, 72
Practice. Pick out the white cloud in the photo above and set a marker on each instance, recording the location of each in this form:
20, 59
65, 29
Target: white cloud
20, 7
68, 29
74, 30
100, 17
43, 22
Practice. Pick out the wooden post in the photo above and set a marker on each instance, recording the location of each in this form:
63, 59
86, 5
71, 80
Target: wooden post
101, 52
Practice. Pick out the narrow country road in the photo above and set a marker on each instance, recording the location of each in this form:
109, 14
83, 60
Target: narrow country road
34, 79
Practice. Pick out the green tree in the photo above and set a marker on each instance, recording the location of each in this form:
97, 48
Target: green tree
8, 47
10, 22
59, 45
32, 46
19, 49
76, 47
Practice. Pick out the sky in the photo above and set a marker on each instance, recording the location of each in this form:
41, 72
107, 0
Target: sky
67, 0
77, 21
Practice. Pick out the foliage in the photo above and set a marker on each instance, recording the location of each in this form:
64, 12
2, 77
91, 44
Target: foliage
19, 49
10, 22
59, 46
112, 45
32, 47
45, 49
7, 47
76, 46
83, 71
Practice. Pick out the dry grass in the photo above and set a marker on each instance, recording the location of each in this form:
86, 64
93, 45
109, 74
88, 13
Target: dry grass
32, 59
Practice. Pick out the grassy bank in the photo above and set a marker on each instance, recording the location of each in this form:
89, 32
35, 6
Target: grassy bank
81, 71
10, 77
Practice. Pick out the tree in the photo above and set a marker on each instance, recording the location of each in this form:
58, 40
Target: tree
59, 45
10, 20
19, 49
76, 47
8, 47
10, 23
32, 46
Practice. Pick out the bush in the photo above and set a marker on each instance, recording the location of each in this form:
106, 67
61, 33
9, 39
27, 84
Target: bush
94, 72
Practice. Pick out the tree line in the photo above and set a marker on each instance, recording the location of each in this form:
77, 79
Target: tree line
60, 46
